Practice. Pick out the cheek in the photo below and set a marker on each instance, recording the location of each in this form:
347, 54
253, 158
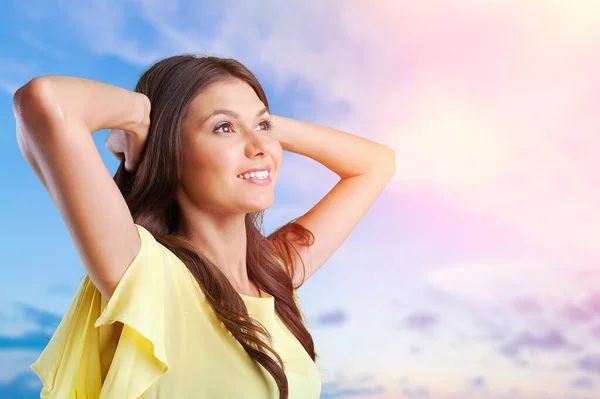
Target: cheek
197, 169
201, 157
217, 170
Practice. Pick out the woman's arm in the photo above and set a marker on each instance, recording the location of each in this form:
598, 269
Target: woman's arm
343, 153
97, 105
365, 168
55, 116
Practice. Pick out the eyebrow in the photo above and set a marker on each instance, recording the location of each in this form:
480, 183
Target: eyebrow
232, 114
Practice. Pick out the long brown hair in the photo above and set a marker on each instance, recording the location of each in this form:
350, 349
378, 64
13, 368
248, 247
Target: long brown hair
171, 84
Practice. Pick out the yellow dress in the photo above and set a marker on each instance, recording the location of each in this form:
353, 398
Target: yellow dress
172, 345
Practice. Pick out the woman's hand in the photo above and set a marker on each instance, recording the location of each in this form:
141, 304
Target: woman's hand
127, 143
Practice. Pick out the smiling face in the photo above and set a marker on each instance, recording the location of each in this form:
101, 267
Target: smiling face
226, 132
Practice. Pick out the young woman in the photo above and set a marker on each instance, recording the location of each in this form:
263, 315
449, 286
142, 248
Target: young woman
183, 296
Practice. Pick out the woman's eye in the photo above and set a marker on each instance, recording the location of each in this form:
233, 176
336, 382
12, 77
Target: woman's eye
266, 124
224, 125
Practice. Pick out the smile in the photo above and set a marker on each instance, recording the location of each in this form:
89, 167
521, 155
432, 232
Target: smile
261, 177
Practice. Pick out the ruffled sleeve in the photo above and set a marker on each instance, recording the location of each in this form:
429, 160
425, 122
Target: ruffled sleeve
74, 363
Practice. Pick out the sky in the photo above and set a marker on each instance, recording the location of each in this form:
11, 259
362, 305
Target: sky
476, 272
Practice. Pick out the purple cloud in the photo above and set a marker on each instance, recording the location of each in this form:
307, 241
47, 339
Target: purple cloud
547, 340
495, 328
588, 310
590, 363
577, 313
582, 383
527, 305
593, 303
337, 317
421, 320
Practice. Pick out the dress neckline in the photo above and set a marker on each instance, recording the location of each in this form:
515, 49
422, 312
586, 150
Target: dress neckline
264, 297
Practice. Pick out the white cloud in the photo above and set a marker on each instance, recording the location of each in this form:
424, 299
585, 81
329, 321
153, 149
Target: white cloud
14, 362
491, 283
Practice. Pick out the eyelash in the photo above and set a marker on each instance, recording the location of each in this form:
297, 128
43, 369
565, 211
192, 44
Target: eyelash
268, 124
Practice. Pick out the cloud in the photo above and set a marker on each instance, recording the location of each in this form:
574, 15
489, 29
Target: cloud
44, 323
593, 302
492, 282
585, 310
337, 317
548, 340
39, 45
421, 320
577, 313
590, 363
334, 390
527, 305
41, 318
493, 153
582, 383
512, 393
15, 362
24, 386
8, 87
365, 378
477, 382
30, 340
415, 392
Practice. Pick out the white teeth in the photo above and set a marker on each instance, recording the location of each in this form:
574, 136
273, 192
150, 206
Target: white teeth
261, 174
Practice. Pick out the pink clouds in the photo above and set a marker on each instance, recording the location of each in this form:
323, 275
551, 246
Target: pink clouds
500, 109
585, 310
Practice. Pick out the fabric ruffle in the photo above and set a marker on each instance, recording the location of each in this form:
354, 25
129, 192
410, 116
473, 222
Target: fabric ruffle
71, 366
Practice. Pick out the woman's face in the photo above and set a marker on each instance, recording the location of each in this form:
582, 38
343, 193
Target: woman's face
217, 148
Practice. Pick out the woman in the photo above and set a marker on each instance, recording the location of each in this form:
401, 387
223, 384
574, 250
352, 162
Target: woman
184, 297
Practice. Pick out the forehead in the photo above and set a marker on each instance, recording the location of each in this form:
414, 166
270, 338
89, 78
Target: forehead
232, 94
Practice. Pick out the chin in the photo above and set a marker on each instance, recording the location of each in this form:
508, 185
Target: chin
263, 205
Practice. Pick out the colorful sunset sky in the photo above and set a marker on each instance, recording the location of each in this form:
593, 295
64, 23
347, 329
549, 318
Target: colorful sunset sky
475, 275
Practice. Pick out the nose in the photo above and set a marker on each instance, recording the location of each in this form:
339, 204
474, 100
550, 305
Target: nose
257, 144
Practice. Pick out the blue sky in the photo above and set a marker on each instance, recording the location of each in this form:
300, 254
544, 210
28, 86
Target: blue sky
474, 275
